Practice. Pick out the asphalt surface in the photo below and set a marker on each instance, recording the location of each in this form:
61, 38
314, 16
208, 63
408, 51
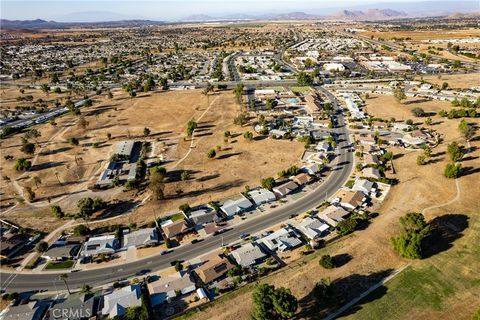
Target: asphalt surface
19, 282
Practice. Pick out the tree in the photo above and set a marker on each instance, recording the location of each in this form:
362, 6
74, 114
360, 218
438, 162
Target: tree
185, 175
87, 206
74, 141
28, 194
86, 289
418, 112
57, 211
409, 243
444, 85
326, 261
268, 183
304, 79
156, 185
191, 126
346, 226
211, 153
452, 170
33, 134
421, 160
64, 278
427, 151
323, 291
238, 91
42, 246
28, 148
271, 303
110, 94
146, 131
82, 122
428, 122
399, 94
241, 119
455, 151
248, 135
81, 230
37, 181
466, 129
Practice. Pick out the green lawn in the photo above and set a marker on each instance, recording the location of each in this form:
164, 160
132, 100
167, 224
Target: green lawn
301, 89
59, 265
444, 285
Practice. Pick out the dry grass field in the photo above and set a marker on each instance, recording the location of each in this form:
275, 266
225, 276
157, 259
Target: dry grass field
461, 81
371, 257
67, 171
424, 35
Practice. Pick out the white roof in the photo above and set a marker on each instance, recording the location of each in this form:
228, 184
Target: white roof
232, 207
312, 228
261, 195
282, 239
248, 254
362, 185
115, 303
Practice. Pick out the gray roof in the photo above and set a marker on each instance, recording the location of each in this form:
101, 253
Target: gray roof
124, 148
66, 251
166, 287
285, 188
312, 228
232, 207
98, 245
203, 215
362, 185
248, 254
115, 303
282, 239
77, 306
261, 195
33, 310
142, 237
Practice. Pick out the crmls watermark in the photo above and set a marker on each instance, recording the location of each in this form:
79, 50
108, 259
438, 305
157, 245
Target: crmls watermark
66, 314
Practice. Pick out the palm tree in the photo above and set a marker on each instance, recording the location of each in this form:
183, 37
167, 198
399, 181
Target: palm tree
64, 278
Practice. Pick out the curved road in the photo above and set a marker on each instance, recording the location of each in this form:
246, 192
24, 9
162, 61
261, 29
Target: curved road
40, 281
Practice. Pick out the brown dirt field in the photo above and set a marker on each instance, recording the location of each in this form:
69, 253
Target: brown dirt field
237, 164
424, 35
9, 94
385, 106
461, 81
419, 187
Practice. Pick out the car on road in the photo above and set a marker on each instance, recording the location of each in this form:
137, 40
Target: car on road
164, 252
293, 215
195, 241
244, 235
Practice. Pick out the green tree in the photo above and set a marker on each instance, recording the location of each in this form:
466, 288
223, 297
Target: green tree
211, 153
248, 135
455, 151
414, 229
28, 148
268, 183
28, 194
271, 303
42, 246
304, 79
326, 261
156, 185
452, 170
421, 160
399, 94
467, 130
64, 278
146, 131
284, 303
191, 126
346, 226
57, 211
81, 230
418, 112
324, 292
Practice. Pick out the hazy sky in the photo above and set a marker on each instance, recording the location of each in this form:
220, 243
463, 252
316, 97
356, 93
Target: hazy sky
66, 10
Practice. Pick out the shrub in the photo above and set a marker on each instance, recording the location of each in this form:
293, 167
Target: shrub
326, 261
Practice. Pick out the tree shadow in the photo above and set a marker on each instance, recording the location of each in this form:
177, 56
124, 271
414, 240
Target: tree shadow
341, 259
345, 289
228, 155
444, 231
469, 170
55, 151
46, 165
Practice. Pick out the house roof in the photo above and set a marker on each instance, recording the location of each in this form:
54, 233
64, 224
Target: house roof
115, 303
370, 158
362, 185
203, 215
248, 254
175, 228
312, 228
353, 198
302, 178
282, 239
213, 269
371, 172
80, 306
141, 237
261, 195
286, 188
66, 251
231, 207
167, 286
98, 245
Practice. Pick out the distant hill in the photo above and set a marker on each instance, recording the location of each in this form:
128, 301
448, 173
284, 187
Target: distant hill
370, 14
43, 24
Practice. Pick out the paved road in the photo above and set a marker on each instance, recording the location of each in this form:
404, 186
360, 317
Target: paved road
27, 281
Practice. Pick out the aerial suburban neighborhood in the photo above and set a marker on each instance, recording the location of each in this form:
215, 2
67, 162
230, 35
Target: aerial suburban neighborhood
317, 165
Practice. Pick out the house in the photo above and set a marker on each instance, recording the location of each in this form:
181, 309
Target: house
400, 126
248, 255
238, 205
283, 239
312, 228
363, 185
11, 243
203, 215
277, 134
213, 269
370, 159
411, 141
77, 306
100, 245
116, 303
261, 195
59, 253
370, 172
313, 105
34, 310
351, 199
322, 146
124, 149
141, 238
302, 179
367, 140
168, 287
333, 215
175, 228
286, 188
312, 168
